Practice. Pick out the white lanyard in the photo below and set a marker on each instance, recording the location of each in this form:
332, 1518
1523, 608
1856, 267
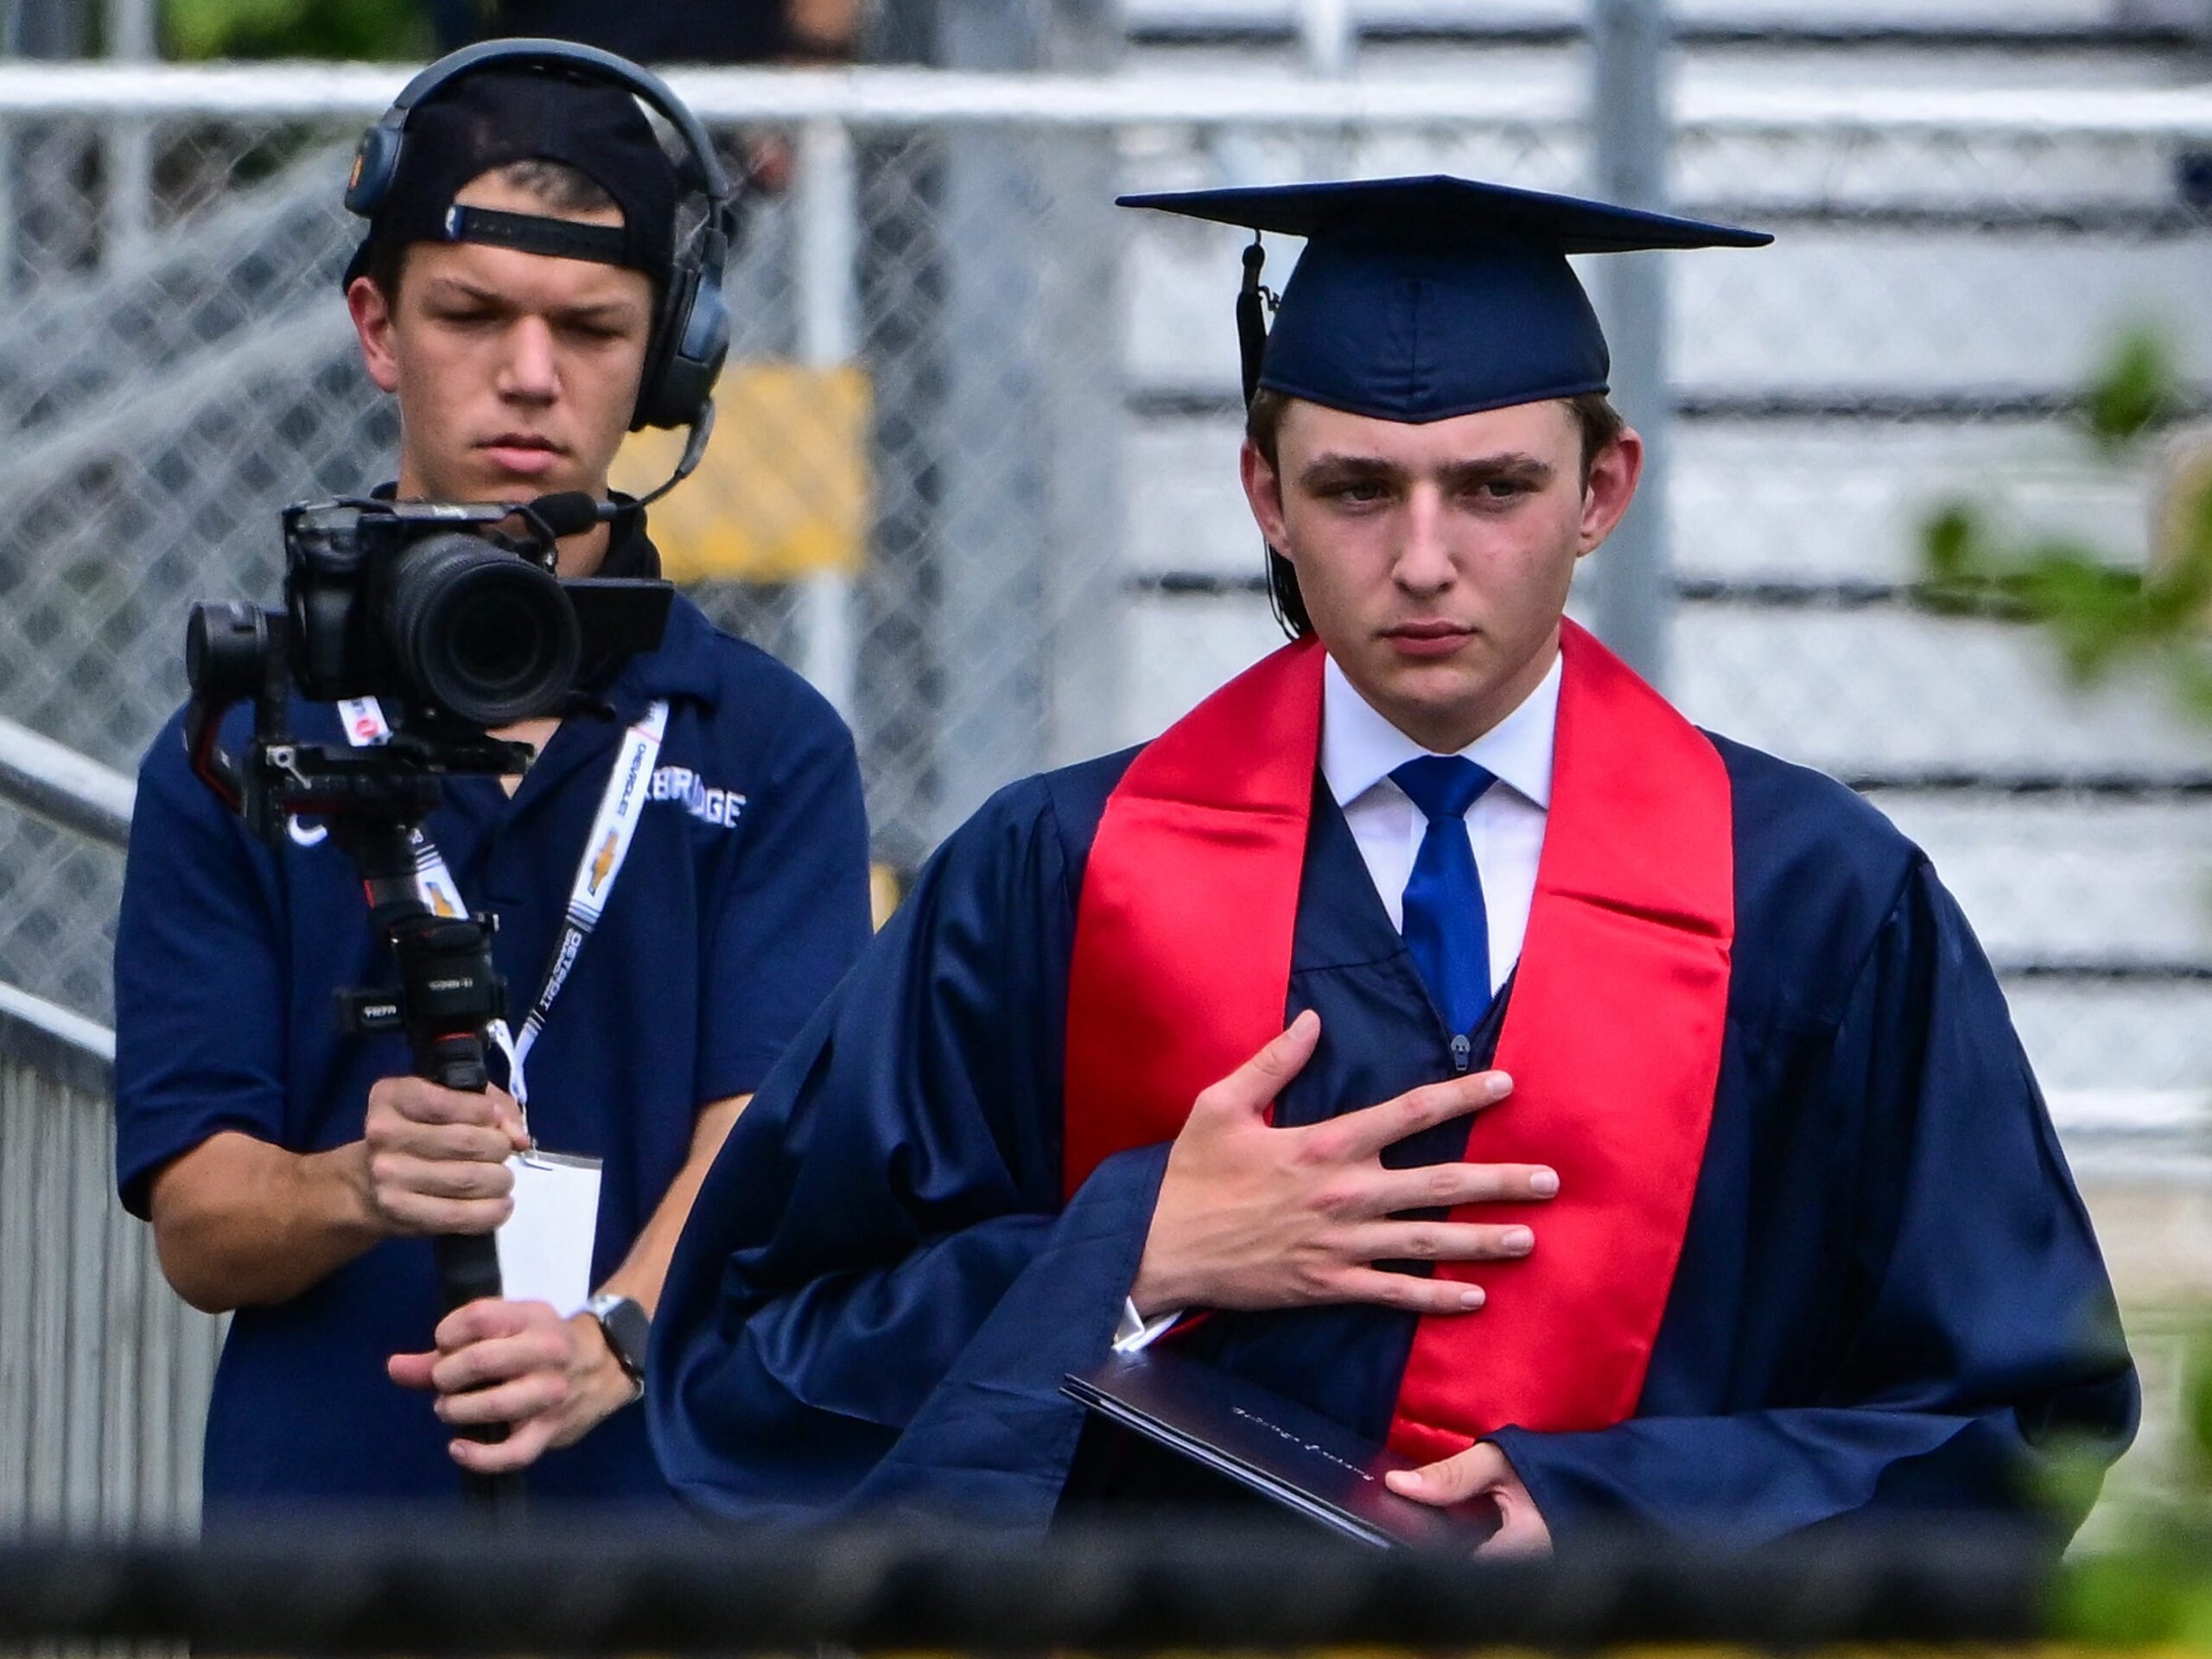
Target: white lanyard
605, 849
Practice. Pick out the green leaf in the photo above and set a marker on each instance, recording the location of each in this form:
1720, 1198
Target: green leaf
2192, 677
2197, 1399
385, 30
1958, 573
2135, 390
1949, 540
2117, 1599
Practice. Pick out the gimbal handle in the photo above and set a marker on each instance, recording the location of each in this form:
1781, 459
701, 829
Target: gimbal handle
468, 1263
450, 994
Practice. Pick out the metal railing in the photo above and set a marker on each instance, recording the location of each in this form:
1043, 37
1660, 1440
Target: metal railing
452, 1589
872, 98
63, 787
103, 1373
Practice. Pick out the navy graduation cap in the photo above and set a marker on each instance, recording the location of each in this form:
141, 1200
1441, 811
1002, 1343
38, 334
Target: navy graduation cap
1418, 299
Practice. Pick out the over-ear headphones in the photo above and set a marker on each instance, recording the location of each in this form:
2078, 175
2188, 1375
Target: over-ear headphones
691, 335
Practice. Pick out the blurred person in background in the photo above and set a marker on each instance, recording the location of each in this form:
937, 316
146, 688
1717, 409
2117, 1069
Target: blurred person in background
668, 31
1621, 1123
727, 32
520, 291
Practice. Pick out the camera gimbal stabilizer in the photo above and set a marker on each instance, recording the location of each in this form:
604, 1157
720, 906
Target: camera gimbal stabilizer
372, 800
453, 628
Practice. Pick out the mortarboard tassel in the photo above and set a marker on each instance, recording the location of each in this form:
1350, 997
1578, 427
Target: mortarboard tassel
1252, 303
1252, 319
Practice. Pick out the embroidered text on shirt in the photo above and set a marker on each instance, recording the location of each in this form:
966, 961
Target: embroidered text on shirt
722, 807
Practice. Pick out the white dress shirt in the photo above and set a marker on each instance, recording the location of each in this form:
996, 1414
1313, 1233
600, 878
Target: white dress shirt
1359, 750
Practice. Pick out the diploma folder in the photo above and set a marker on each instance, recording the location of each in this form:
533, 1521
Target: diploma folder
1268, 1445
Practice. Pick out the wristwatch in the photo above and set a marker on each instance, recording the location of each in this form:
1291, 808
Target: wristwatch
628, 1328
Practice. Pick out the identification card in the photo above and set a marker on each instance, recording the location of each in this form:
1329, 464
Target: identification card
545, 1246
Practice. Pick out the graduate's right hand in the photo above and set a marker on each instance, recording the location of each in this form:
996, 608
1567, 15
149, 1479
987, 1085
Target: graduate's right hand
1250, 1216
434, 1160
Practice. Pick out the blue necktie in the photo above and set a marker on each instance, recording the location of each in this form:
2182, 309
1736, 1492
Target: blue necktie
1447, 927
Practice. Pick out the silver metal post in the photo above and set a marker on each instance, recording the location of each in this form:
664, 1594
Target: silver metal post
1325, 37
10, 206
133, 35
827, 192
40, 163
1630, 132
1026, 531
128, 162
1328, 46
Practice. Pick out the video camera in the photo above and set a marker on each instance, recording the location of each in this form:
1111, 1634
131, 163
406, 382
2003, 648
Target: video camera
453, 624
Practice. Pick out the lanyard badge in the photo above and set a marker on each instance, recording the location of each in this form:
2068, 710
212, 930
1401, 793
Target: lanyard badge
605, 850
545, 1246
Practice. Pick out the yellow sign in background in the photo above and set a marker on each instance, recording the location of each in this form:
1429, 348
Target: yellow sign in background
782, 490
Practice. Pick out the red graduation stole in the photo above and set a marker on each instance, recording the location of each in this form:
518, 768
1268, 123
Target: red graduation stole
1182, 969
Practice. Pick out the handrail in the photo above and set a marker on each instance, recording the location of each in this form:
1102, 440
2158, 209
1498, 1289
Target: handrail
119, 422
63, 787
901, 96
50, 1019
460, 1591
1445, 25
75, 1051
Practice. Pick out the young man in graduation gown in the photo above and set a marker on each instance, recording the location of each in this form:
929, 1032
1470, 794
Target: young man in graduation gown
1620, 1121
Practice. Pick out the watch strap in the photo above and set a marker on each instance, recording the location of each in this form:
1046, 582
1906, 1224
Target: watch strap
628, 1330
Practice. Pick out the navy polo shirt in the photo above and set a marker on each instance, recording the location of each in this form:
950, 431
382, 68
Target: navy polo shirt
742, 902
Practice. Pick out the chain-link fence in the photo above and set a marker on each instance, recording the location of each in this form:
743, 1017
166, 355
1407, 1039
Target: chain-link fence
975, 475
976, 466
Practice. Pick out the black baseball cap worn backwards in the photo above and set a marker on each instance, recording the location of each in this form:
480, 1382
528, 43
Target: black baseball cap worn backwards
492, 117
1419, 299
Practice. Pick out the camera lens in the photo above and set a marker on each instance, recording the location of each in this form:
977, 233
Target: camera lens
484, 635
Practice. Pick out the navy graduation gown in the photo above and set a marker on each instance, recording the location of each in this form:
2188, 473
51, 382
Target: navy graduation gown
1888, 1297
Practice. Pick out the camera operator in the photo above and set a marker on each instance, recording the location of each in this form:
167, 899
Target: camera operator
518, 290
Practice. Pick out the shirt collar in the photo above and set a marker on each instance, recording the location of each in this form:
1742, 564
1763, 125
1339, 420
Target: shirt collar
684, 665
1360, 748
